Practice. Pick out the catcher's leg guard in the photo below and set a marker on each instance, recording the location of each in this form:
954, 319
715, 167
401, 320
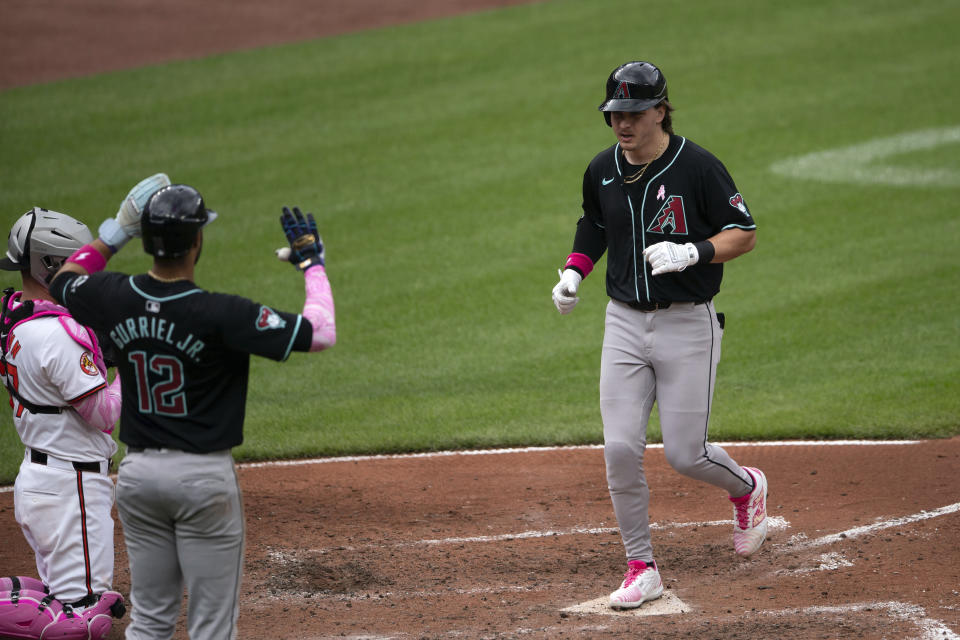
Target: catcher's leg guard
34, 615
16, 583
100, 616
70, 626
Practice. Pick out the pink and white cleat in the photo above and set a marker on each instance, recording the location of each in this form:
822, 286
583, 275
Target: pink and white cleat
641, 583
750, 516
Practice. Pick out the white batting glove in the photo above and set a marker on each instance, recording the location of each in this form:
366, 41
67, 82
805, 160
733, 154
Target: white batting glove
565, 293
665, 257
118, 230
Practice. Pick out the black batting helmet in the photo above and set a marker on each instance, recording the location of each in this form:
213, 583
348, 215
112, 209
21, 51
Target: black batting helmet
634, 86
171, 220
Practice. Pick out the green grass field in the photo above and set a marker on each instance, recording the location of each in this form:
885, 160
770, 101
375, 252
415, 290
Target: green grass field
444, 162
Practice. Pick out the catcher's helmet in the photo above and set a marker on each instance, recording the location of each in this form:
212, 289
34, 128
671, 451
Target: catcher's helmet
171, 220
634, 86
41, 240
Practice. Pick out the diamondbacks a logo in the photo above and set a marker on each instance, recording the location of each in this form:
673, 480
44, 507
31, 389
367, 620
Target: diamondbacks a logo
269, 319
87, 365
622, 92
671, 218
736, 201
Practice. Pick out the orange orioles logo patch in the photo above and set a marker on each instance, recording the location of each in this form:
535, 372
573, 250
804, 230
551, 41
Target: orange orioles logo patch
87, 364
671, 218
269, 319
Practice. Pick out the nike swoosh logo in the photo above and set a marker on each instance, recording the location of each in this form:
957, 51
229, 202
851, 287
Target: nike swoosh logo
606, 181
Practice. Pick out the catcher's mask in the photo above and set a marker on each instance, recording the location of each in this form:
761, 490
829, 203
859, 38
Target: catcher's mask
171, 220
41, 240
634, 86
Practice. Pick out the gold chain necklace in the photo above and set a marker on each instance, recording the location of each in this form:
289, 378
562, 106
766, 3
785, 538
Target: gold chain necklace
639, 174
156, 277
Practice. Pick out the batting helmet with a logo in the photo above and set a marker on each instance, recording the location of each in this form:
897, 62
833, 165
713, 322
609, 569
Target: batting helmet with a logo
634, 86
171, 220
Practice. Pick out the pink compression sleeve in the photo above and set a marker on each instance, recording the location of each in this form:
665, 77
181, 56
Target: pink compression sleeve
318, 308
101, 409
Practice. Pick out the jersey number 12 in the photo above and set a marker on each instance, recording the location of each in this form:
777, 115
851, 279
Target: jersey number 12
162, 393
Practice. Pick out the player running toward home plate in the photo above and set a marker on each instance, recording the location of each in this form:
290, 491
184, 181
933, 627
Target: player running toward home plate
668, 215
184, 358
64, 410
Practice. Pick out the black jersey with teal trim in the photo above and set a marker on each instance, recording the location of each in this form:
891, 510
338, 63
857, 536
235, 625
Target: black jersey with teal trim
686, 195
184, 354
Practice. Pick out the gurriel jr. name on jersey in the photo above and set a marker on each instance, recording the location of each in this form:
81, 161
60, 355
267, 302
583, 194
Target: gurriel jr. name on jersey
157, 329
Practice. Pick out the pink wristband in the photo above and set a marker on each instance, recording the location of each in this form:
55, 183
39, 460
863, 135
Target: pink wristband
581, 262
89, 258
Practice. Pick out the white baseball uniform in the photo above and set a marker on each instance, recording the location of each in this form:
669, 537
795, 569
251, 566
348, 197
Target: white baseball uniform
63, 493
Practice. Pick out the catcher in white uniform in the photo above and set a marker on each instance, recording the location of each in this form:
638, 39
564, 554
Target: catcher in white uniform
64, 410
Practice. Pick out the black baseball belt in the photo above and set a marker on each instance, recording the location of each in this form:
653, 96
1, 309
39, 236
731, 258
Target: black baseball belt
39, 457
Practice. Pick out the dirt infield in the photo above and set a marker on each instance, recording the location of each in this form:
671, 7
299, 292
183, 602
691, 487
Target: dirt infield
865, 544
45, 40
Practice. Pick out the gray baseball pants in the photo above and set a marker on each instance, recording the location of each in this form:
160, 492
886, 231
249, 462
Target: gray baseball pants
182, 517
669, 357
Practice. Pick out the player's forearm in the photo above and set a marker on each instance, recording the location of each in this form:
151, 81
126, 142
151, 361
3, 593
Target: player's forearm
101, 409
319, 309
84, 261
731, 243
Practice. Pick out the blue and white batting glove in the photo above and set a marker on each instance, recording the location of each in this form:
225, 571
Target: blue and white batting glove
117, 231
306, 246
666, 257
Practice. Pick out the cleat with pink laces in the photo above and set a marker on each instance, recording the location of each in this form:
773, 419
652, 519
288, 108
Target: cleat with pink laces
641, 583
750, 516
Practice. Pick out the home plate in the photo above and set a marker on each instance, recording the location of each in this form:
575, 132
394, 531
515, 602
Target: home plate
664, 605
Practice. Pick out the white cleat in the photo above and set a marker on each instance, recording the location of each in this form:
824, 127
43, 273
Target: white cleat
750, 516
641, 583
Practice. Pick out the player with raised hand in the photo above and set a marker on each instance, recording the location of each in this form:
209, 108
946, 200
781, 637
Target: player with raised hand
64, 409
184, 356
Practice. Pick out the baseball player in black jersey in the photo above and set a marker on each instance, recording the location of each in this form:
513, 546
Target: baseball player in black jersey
668, 215
184, 359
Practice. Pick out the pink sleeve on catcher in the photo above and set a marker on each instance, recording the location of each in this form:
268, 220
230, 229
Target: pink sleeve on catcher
318, 308
102, 408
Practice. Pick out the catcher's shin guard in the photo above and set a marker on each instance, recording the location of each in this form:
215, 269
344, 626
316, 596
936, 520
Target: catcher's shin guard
100, 616
34, 615
16, 583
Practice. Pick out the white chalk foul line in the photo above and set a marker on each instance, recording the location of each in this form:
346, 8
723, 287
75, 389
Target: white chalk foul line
799, 543
494, 452
931, 628
490, 452
776, 522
